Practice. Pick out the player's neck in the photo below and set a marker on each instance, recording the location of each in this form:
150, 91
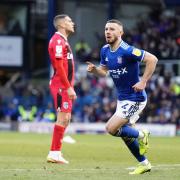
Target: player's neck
63, 32
116, 44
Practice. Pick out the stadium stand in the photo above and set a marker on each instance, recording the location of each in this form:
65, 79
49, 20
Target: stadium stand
95, 103
158, 33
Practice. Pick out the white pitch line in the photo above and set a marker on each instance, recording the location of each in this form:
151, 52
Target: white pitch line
22, 169
157, 166
65, 170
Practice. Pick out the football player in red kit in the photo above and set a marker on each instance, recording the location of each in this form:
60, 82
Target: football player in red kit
61, 83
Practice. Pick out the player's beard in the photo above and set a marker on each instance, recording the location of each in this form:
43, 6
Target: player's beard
112, 41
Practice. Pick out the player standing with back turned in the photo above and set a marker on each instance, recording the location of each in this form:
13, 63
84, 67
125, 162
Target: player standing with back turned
61, 84
122, 62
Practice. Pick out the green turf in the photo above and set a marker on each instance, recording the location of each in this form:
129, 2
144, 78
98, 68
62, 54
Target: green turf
93, 157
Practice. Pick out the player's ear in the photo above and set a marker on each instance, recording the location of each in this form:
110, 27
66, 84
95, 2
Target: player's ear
61, 23
121, 32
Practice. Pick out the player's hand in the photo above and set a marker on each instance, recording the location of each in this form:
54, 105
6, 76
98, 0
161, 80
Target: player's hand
139, 86
71, 93
91, 68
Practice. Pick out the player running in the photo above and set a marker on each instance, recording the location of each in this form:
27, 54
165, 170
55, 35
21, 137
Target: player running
122, 62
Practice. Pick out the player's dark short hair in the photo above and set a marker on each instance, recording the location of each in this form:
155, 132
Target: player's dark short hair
60, 16
115, 21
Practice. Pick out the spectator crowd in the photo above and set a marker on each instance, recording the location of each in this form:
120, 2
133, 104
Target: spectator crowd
157, 33
25, 101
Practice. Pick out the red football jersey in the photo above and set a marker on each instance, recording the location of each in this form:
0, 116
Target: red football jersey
59, 50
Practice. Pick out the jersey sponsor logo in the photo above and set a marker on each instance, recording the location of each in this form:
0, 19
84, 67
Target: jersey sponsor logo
59, 51
65, 105
136, 52
115, 73
119, 71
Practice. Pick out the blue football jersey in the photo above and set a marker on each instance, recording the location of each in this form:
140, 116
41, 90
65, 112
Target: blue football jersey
123, 67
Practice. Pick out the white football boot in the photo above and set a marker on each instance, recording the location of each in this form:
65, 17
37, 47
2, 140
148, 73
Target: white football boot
56, 157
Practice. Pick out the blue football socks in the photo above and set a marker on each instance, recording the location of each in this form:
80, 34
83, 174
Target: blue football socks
133, 146
127, 131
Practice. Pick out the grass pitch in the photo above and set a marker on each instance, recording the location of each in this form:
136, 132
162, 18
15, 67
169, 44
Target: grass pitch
93, 157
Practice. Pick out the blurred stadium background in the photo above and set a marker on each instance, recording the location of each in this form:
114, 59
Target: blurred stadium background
25, 28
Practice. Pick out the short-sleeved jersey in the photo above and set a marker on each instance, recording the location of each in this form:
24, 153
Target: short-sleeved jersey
123, 67
59, 50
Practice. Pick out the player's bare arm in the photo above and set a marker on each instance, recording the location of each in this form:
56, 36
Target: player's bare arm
150, 60
100, 71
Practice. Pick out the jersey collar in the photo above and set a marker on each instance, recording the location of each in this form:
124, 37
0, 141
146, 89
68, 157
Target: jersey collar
61, 35
117, 47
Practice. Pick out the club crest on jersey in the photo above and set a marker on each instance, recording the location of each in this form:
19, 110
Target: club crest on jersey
119, 60
106, 59
65, 105
136, 52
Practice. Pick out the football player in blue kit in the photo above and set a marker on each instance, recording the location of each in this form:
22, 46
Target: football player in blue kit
121, 61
